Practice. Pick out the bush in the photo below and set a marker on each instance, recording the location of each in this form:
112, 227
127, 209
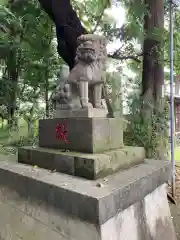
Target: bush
148, 127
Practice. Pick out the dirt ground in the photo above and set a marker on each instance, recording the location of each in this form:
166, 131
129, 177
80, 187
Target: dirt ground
175, 209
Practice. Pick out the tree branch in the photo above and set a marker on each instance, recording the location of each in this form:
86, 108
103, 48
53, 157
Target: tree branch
121, 57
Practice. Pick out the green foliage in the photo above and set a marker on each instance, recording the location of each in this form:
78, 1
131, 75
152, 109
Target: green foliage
91, 12
150, 132
26, 49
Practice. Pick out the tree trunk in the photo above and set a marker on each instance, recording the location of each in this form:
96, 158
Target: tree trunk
46, 97
13, 82
153, 67
2, 123
13, 68
68, 27
153, 76
30, 122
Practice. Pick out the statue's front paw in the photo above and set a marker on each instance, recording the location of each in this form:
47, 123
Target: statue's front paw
86, 105
90, 105
98, 105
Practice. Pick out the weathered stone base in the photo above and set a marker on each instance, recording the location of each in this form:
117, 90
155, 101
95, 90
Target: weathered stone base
90, 166
88, 135
131, 205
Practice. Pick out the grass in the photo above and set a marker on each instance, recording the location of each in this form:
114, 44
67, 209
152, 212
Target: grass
15, 135
9, 142
6, 138
177, 154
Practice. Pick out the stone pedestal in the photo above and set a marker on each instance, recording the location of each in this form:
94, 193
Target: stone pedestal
81, 113
97, 185
87, 135
92, 148
89, 166
129, 205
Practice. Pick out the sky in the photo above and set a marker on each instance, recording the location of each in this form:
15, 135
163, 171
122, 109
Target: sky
118, 15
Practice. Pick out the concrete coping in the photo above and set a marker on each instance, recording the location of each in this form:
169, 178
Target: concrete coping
92, 201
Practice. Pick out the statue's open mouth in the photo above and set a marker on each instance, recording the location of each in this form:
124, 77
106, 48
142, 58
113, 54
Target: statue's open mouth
85, 50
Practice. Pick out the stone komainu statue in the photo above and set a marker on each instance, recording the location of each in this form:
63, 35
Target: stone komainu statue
83, 86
